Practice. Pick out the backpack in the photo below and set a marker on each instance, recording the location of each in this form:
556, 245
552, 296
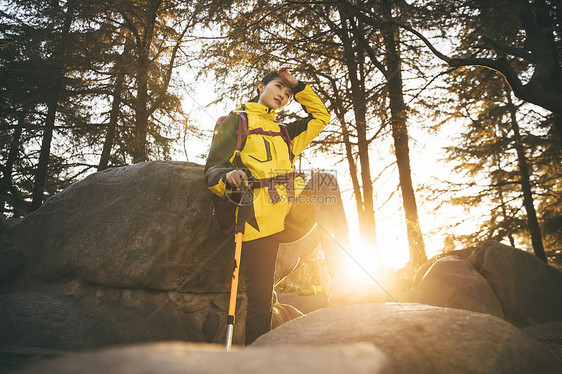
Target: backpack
224, 207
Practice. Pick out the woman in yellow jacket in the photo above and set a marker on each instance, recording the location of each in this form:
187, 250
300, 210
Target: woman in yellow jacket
284, 207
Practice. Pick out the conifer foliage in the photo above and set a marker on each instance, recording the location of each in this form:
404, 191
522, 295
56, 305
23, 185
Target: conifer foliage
87, 85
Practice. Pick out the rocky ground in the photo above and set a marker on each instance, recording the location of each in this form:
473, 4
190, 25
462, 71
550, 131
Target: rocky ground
125, 272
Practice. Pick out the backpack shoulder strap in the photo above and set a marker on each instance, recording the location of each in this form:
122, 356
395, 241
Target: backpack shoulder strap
217, 125
242, 130
287, 138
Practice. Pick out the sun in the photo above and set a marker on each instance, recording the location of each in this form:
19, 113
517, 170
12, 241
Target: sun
366, 264
362, 261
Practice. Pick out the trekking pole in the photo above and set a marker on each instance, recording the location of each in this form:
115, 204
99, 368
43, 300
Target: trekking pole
247, 197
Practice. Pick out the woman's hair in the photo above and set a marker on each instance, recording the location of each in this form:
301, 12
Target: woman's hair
268, 78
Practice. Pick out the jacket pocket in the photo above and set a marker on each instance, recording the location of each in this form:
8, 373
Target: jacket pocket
262, 153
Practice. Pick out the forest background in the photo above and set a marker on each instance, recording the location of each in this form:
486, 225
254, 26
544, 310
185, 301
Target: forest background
446, 115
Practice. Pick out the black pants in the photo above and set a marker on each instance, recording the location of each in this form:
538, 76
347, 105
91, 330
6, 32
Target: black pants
258, 269
318, 205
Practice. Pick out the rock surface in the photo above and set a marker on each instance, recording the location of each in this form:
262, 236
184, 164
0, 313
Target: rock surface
549, 334
452, 282
11, 263
121, 316
422, 339
529, 290
139, 226
176, 357
47, 320
283, 313
306, 304
129, 248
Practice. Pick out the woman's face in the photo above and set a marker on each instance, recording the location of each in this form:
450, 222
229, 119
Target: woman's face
275, 95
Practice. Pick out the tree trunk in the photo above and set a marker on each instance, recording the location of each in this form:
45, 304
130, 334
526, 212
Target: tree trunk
366, 217
140, 148
42, 166
58, 64
349, 154
115, 106
6, 181
112, 126
499, 189
352, 169
400, 135
354, 57
534, 229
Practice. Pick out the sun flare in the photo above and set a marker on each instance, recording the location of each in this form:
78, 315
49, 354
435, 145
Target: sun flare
363, 261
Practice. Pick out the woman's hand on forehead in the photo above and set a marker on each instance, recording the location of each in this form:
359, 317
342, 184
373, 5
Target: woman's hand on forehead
287, 77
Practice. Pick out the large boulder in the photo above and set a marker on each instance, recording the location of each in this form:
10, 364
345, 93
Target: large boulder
130, 247
422, 270
140, 226
530, 291
177, 357
453, 282
527, 289
422, 339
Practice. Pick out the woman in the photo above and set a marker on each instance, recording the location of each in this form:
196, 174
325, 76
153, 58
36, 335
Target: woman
282, 209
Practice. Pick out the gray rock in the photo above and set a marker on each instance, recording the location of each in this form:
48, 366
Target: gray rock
168, 316
49, 321
176, 357
139, 226
464, 253
452, 282
44, 325
306, 304
283, 313
12, 358
11, 221
529, 290
108, 316
11, 263
132, 246
549, 334
422, 339
291, 255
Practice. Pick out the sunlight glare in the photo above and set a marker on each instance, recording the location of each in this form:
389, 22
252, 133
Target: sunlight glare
394, 250
364, 264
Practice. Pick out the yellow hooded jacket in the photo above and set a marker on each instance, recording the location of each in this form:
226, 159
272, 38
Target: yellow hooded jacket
264, 156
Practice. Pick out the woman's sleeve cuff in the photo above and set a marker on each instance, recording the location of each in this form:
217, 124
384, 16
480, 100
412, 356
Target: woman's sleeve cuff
300, 86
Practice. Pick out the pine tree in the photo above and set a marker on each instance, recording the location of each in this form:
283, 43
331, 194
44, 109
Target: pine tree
497, 161
499, 35
78, 71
